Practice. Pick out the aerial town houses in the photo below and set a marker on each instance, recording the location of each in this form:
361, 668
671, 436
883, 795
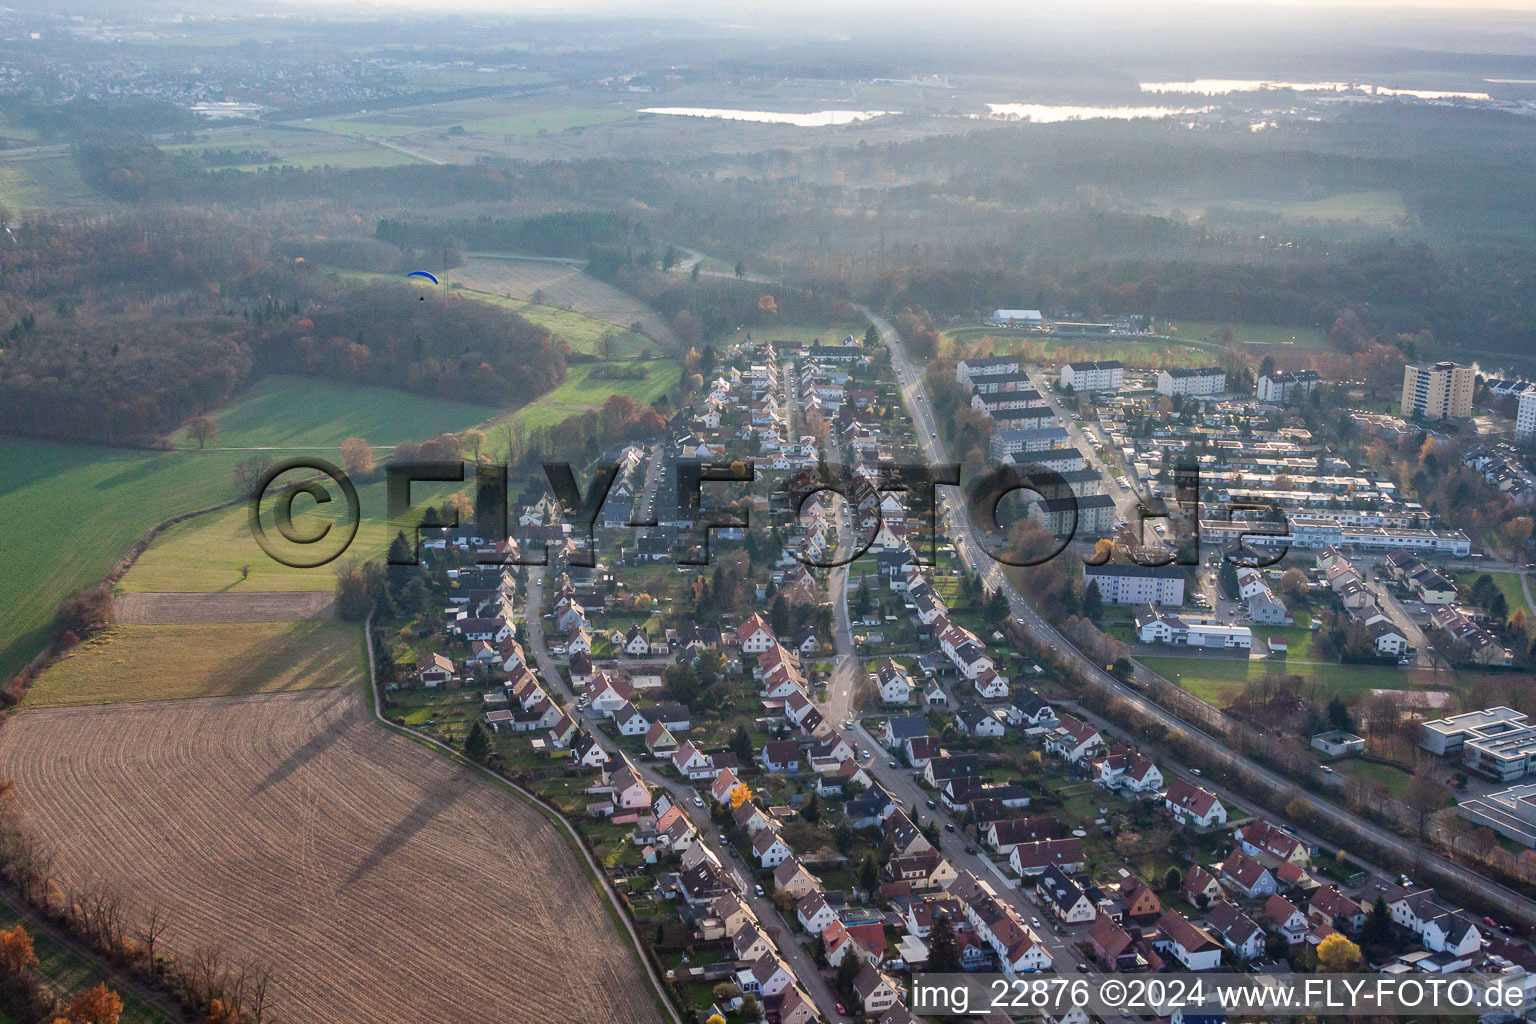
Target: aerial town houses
1248, 885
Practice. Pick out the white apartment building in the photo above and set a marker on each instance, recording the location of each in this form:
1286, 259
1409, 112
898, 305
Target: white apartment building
1525, 418
1128, 583
1204, 380
1093, 376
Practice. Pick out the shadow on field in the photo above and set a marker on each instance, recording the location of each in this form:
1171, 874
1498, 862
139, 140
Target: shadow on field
434, 802
317, 743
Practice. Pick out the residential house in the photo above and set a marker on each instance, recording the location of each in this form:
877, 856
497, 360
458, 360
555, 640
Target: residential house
1282, 917
874, 992
1074, 740
1004, 835
631, 721
1028, 859
814, 913
780, 756
1191, 946
691, 762
1260, 837
659, 740
894, 682
1248, 875
1064, 897
1191, 805
769, 849
1199, 882
1235, 930
792, 877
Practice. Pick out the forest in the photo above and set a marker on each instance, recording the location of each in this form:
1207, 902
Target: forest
117, 331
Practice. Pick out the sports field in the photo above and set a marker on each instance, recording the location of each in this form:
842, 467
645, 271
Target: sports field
295, 412
1245, 334
134, 663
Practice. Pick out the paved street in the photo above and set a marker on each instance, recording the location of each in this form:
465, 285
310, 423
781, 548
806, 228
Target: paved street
682, 794
1431, 868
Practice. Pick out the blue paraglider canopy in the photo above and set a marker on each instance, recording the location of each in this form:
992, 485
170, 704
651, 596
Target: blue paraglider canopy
422, 273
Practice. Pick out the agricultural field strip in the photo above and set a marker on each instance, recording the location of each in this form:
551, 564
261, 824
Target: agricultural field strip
291, 829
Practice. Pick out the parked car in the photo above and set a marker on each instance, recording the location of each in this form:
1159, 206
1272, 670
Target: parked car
949, 826
932, 804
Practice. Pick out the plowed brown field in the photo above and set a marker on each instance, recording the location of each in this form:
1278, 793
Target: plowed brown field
378, 880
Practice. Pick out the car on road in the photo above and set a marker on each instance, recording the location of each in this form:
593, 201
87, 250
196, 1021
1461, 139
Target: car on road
841, 1011
1325, 769
949, 826
759, 890
1195, 772
971, 850
698, 801
893, 764
1035, 921
932, 804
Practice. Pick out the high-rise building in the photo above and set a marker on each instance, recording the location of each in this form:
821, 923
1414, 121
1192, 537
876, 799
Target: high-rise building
1525, 418
1437, 391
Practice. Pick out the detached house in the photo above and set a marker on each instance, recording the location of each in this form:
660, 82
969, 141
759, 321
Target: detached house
1191, 946
1064, 897
894, 682
1248, 876
1074, 740
755, 635
1191, 805
1282, 917
1235, 930
769, 849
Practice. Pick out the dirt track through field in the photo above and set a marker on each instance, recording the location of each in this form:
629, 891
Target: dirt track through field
381, 882
565, 285
151, 609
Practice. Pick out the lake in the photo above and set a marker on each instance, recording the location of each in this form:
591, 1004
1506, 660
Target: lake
1224, 86
1041, 113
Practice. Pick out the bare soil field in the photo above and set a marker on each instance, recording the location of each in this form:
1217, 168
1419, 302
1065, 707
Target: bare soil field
170, 609
378, 880
565, 285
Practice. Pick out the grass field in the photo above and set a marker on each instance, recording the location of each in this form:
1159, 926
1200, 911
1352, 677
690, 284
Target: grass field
292, 412
581, 392
134, 663
581, 331
565, 286
377, 880
796, 334
1133, 353
211, 553
1396, 781
45, 183
71, 511
1507, 582
1247, 334
433, 119
1219, 680
1382, 207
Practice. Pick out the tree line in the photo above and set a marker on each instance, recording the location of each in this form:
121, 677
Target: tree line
117, 332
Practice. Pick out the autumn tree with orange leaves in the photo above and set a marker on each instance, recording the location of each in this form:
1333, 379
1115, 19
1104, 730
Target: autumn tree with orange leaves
16, 953
97, 1005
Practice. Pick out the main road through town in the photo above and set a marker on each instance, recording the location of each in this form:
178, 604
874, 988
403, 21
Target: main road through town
968, 543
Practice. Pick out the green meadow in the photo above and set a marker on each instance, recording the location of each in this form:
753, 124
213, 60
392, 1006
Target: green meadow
294, 412
71, 511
